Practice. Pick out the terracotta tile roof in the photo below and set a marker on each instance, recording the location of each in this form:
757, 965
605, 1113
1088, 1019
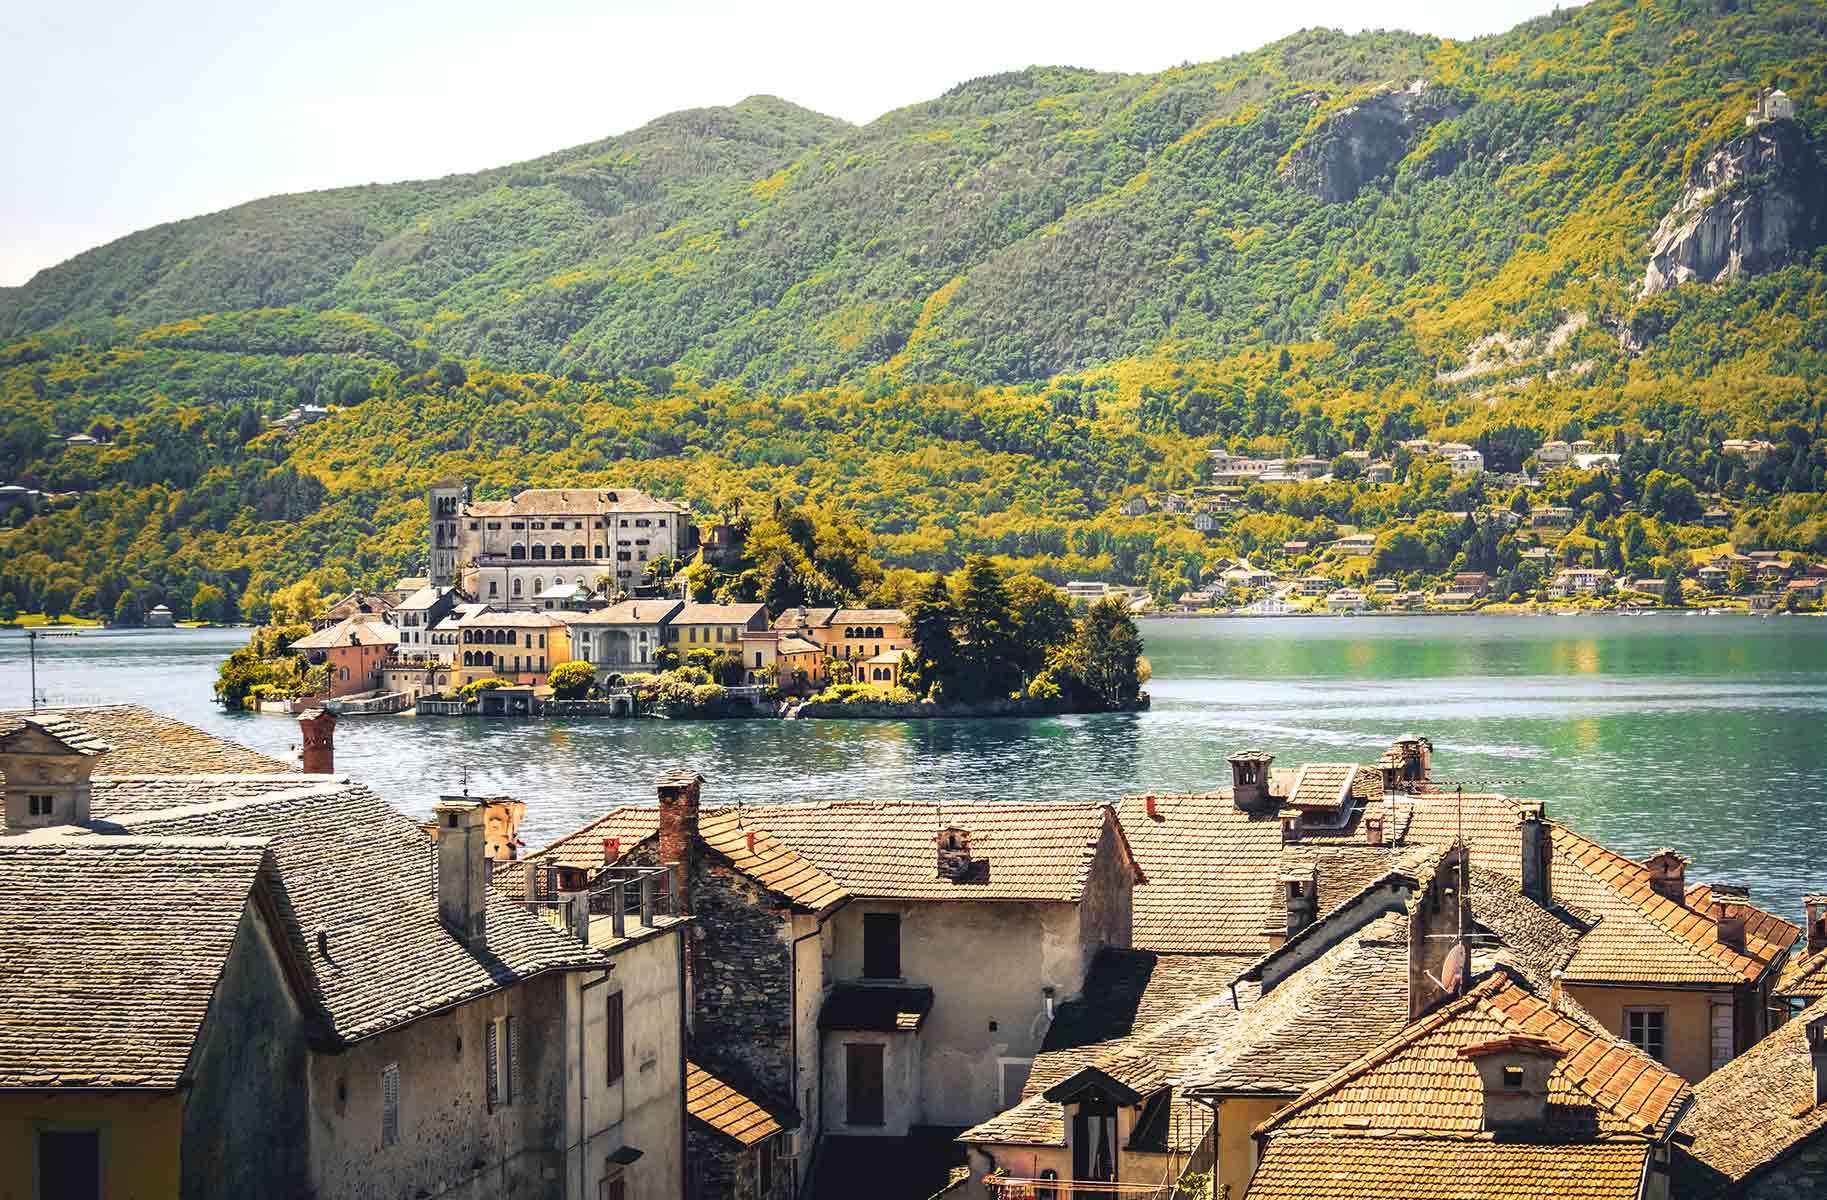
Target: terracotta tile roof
1417, 1082
789, 644
717, 614
627, 826
769, 861
1323, 786
110, 949
350, 632
143, 743
1320, 1167
1805, 978
852, 1007
1035, 852
721, 1107
804, 618
628, 612
362, 876
1753, 1110
1644, 937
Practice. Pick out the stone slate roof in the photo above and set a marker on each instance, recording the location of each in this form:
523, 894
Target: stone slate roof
113, 797
1644, 937
1328, 1014
67, 735
716, 1105
1753, 1111
362, 875
1129, 990
110, 950
141, 742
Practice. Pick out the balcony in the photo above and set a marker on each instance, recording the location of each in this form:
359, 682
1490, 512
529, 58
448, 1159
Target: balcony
609, 903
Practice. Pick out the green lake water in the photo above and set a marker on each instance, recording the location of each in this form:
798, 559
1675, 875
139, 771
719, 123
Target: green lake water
1705, 733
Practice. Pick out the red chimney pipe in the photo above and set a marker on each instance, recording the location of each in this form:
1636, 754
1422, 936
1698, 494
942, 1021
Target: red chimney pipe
1150, 800
612, 850
317, 742
751, 841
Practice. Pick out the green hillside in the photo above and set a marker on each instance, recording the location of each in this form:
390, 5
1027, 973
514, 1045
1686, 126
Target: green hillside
977, 320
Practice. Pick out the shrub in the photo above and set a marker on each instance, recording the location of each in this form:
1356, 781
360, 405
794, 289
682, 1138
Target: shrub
572, 680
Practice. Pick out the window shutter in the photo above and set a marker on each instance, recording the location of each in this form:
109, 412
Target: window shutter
510, 1078
390, 1104
612, 1031
492, 1057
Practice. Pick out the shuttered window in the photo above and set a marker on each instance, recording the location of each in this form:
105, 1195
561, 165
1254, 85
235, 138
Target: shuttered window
510, 1074
492, 1064
390, 1104
612, 1033
501, 1046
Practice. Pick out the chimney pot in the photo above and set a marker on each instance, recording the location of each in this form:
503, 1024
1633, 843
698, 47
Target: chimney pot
1250, 781
1554, 989
1536, 843
317, 748
612, 850
1150, 801
751, 841
1373, 828
1816, 907
1290, 828
463, 870
1728, 905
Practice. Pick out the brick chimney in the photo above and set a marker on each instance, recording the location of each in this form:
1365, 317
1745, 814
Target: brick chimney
679, 793
463, 870
46, 763
1532, 832
1513, 1072
317, 742
1816, 907
1668, 875
1250, 781
1728, 905
1817, 1050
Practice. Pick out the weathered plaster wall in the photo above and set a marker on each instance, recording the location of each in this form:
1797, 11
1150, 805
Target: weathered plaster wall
642, 1110
450, 1144
1236, 1148
902, 1106
986, 964
139, 1141
244, 1121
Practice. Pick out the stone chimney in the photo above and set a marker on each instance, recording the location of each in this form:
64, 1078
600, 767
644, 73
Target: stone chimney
1302, 892
1537, 846
679, 794
1373, 826
1513, 1072
1290, 827
1816, 908
1728, 912
1817, 1050
317, 742
1417, 759
1250, 781
463, 869
1668, 875
46, 763
954, 854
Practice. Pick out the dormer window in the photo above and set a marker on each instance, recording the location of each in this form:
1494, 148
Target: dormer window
1512, 1079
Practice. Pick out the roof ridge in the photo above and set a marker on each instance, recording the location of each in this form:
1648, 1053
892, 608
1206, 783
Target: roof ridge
156, 816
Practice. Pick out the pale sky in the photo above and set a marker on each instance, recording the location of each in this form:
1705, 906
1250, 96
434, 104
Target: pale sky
121, 114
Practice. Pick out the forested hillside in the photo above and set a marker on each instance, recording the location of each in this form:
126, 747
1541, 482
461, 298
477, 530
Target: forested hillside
977, 320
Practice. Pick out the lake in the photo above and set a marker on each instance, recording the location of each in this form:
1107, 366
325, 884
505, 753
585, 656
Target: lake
1708, 734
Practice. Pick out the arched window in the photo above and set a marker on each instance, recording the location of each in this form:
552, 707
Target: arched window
558, 581
488, 658
539, 585
469, 658
577, 551
539, 552
517, 551
599, 553
516, 587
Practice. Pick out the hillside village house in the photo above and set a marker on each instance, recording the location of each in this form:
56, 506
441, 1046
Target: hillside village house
507, 552
853, 634
281, 987
1581, 581
717, 626
360, 605
865, 969
419, 613
355, 650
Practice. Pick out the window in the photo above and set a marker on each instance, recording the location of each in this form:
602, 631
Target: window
614, 1186
1513, 1079
69, 1163
881, 946
501, 1053
863, 1078
38, 805
1014, 1077
1644, 1027
494, 589
390, 1104
612, 1035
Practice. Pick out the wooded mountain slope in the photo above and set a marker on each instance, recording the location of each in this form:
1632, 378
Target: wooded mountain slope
978, 319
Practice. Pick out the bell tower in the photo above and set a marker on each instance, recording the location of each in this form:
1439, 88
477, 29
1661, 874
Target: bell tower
446, 499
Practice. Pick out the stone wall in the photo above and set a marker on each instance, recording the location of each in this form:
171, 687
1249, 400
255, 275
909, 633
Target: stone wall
743, 1029
1801, 1176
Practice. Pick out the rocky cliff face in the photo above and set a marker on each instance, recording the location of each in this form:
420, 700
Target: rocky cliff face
1759, 200
1357, 144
